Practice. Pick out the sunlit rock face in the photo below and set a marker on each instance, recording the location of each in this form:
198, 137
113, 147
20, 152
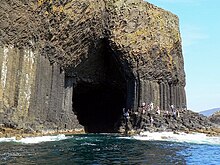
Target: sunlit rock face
77, 63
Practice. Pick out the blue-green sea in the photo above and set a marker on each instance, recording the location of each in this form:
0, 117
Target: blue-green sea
101, 149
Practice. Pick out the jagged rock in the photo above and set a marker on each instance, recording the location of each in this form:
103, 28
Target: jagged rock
73, 64
186, 121
215, 118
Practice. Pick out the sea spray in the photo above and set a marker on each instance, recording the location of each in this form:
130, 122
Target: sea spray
197, 138
35, 140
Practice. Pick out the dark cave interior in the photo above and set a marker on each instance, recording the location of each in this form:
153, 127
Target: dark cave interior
99, 105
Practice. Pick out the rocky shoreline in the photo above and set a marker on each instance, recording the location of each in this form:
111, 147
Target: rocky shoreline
187, 122
6, 132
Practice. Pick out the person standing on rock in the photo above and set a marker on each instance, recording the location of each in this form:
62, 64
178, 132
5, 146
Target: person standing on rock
158, 110
172, 111
178, 113
143, 108
174, 114
151, 121
172, 107
168, 112
126, 117
151, 106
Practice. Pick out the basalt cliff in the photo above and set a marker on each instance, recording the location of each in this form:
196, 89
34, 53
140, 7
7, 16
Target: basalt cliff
72, 64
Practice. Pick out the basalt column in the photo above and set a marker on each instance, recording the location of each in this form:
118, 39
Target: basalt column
162, 94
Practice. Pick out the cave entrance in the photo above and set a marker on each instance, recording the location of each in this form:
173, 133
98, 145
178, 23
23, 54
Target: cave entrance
99, 107
99, 103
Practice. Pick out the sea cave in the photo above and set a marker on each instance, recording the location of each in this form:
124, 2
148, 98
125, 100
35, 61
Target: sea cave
100, 91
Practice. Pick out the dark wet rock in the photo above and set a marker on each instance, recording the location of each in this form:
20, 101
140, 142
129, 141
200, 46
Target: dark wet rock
186, 121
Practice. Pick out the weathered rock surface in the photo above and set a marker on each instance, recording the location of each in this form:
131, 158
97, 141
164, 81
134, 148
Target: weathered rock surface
215, 118
6, 132
73, 63
186, 121
166, 121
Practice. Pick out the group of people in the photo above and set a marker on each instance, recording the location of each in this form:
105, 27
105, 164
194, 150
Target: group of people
172, 110
148, 108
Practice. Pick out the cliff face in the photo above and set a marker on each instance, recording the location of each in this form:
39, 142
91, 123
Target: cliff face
73, 63
149, 41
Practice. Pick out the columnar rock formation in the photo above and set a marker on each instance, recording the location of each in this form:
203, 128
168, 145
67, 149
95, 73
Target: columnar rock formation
73, 63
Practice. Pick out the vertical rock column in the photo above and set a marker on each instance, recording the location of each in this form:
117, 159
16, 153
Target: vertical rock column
17, 72
184, 97
131, 94
171, 94
68, 96
51, 106
161, 95
149, 92
27, 79
69, 119
142, 92
165, 96
40, 103
56, 94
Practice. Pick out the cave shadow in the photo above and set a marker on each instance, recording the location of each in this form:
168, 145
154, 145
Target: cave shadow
103, 87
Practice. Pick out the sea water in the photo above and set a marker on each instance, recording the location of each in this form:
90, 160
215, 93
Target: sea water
164, 148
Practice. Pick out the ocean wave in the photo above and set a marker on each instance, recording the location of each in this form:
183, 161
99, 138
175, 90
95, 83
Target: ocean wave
197, 138
34, 140
125, 137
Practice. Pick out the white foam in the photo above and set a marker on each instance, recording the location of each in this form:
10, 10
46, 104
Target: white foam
198, 138
125, 137
34, 140
88, 144
7, 139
